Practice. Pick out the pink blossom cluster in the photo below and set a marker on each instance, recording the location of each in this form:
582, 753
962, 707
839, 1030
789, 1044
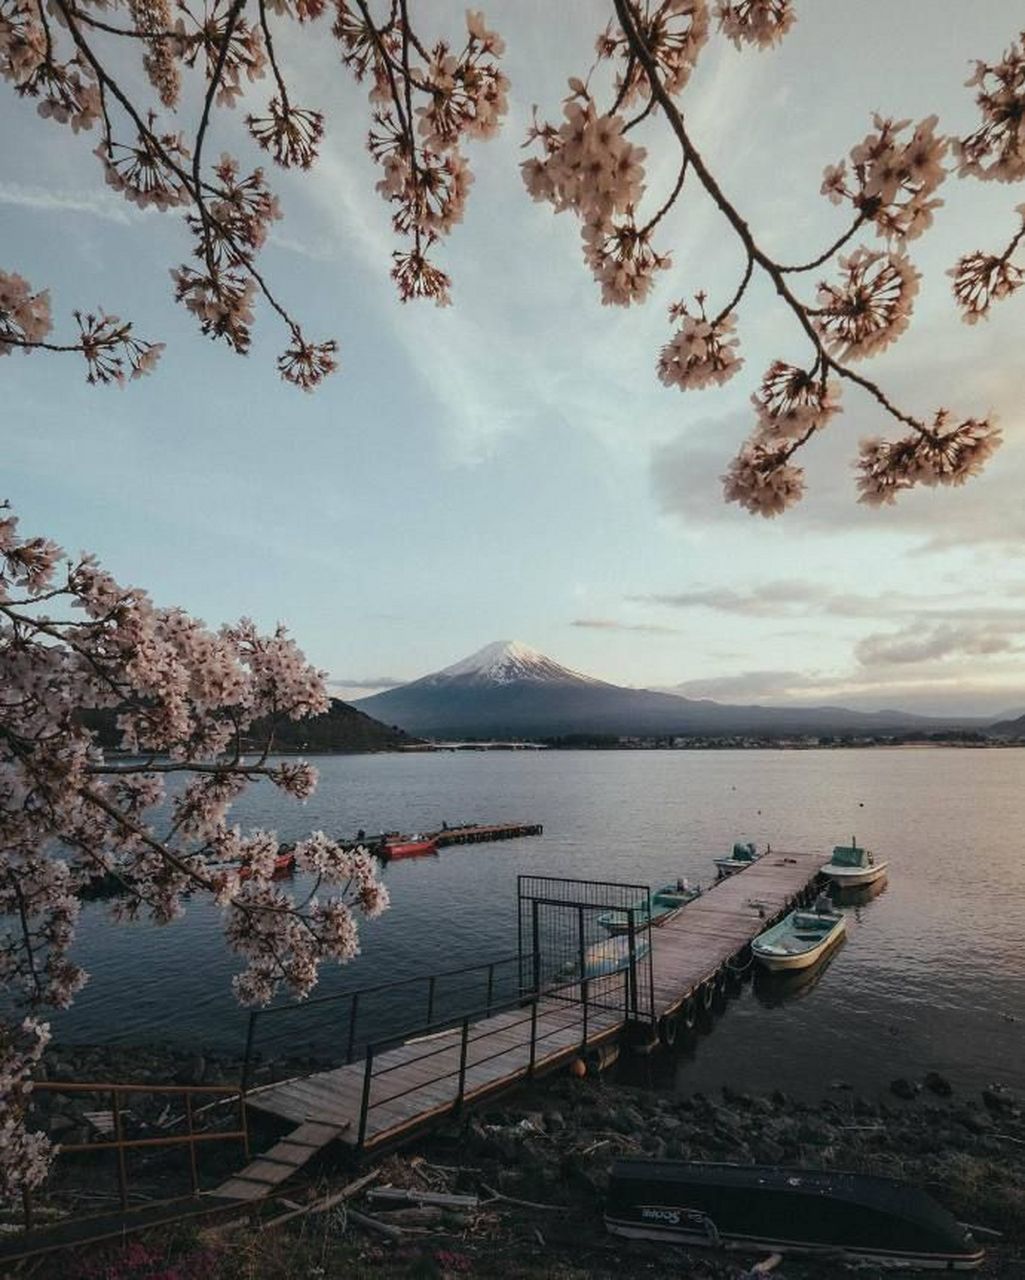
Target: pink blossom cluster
24, 315
702, 352
24, 1156
762, 479
189, 702
996, 150
892, 178
759, 22
459, 95
945, 454
674, 31
980, 279
792, 402
870, 307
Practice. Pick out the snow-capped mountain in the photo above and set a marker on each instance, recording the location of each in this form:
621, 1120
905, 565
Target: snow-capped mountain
508, 689
504, 662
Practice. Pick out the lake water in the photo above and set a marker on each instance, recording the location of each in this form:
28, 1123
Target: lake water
930, 977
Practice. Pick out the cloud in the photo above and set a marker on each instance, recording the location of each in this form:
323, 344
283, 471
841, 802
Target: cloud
610, 624
782, 685
371, 682
98, 205
913, 645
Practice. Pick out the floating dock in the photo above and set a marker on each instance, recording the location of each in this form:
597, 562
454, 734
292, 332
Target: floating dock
394, 1092
475, 834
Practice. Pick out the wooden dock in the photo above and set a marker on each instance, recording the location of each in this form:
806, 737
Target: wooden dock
477, 834
398, 1091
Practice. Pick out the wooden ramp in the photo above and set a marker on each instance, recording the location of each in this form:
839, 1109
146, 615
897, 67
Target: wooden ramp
396, 1091
418, 1081
260, 1178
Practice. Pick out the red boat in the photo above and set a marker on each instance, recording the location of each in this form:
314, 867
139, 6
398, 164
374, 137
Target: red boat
409, 847
284, 865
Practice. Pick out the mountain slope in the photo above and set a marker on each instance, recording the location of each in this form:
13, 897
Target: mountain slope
507, 689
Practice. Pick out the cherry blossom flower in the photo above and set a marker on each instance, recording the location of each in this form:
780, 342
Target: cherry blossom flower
792, 402
674, 31
981, 279
291, 134
702, 352
762, 480
892, 179
996, 150
944, 454
759, 22
870, 308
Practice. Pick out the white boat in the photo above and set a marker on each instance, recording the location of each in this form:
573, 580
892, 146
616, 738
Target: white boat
801, 939
852, 866
742, 856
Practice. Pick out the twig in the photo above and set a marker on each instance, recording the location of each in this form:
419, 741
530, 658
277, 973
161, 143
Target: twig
372, 1224
525, 1204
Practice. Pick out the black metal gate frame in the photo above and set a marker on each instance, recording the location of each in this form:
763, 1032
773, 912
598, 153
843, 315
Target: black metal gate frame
547, 955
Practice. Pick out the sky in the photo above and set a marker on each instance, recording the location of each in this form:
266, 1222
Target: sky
510, 467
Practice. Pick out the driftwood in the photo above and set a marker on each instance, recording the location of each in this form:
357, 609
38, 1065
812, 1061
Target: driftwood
373, 1224
766, 1265
329, 1202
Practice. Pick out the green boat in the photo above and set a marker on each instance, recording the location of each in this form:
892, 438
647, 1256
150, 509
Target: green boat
801, 939
665, 903
742, 856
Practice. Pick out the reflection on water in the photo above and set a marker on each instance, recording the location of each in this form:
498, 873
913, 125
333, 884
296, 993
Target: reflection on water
858, 895
774, 989
897, 999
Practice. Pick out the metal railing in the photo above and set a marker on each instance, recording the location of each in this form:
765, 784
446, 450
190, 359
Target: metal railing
358, 1001
470, 1033
190, 1139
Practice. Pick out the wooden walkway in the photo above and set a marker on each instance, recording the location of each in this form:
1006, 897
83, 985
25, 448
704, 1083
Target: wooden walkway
408, 1086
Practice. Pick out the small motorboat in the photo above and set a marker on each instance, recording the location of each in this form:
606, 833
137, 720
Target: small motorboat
408, 847
853, 1216
284, 865
609, 956
801, 938
851, 866
665, 903
742, 856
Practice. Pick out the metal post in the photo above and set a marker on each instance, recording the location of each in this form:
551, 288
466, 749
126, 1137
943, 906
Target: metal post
580, 941
122, 1178
533, 1037
536, 924
364, 1106
491, 985
583, 987
190, 1128
243, 1122
632, 970
26, 1205
354, 1008
247, 1057
462, 1061
430, 999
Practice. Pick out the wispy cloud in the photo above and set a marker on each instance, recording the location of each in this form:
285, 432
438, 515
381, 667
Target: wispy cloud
97, 205
914, 644
611, 624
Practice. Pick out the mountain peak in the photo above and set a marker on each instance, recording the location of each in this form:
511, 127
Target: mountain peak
506, 662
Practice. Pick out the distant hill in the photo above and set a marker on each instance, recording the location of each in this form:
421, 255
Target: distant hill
340, 729
508, 689
1007, 728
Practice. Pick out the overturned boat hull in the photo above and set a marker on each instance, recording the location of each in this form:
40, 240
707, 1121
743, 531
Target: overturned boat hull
843, 1215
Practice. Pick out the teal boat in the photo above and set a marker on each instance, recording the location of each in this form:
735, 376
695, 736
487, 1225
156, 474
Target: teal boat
800, 939
609, 956
852, 866
742, 856
665, 903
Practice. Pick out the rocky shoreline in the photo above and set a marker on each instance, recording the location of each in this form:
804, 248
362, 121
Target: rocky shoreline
545, 1152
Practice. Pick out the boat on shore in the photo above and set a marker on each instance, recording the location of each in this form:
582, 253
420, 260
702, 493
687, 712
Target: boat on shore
852, 866
742, 856
666, 903
800, 939
853, 1216
609, 956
